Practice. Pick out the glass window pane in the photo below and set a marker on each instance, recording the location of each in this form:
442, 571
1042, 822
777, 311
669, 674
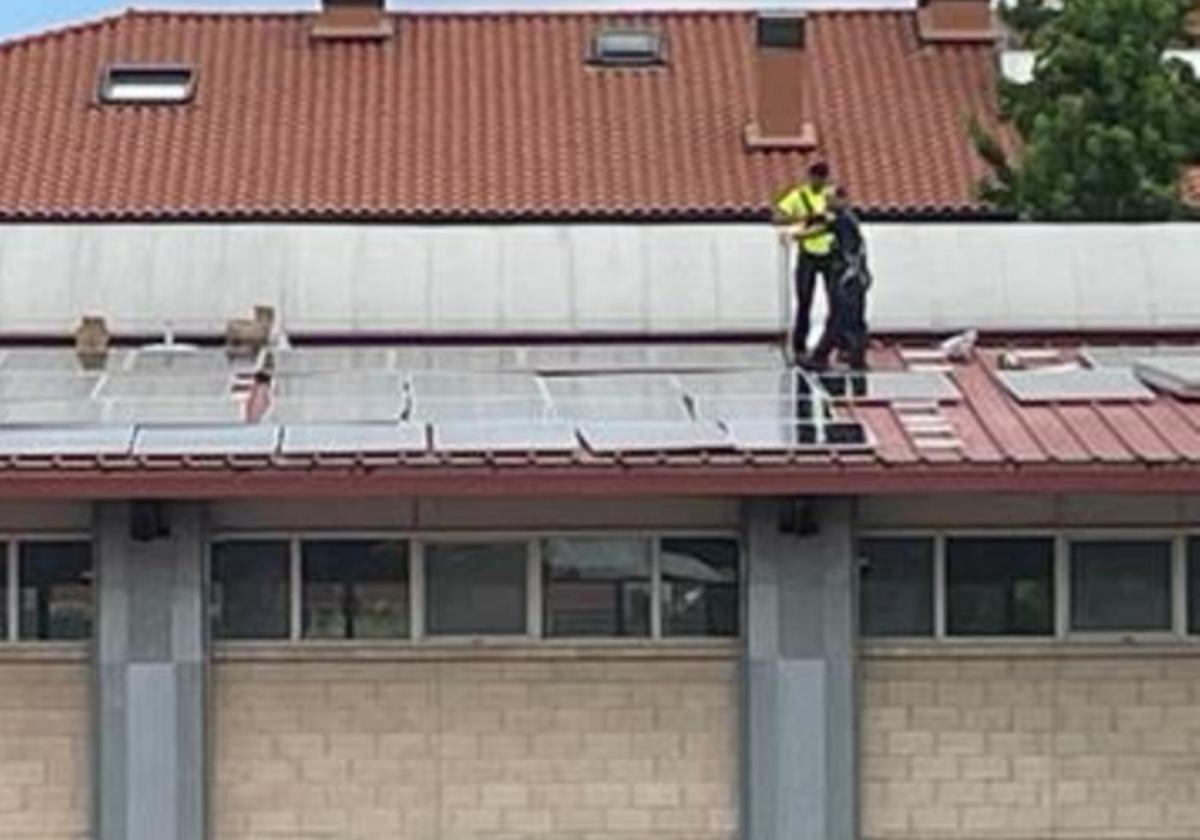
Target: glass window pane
1000, 586
699, 587
1122, 585
355, 589
475, 589
250, 598
56, 590
597, 587
896, 591
1193, 584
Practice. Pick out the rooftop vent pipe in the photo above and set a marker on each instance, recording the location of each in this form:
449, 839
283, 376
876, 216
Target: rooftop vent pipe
353, 20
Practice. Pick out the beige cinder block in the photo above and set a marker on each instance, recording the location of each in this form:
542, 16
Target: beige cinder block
583, 745
1011, 745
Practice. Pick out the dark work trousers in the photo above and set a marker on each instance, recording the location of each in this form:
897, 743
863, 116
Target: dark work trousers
808, 267
851, 321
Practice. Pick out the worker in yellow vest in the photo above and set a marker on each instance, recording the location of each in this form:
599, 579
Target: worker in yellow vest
804, 215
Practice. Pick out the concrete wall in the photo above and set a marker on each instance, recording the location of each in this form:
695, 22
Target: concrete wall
546, 743
1028, 743
45, 747
639, 278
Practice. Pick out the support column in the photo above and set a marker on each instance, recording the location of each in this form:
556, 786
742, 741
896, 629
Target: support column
799, 777
151, 644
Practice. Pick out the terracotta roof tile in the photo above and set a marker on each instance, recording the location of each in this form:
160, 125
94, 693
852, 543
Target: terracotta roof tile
476, 116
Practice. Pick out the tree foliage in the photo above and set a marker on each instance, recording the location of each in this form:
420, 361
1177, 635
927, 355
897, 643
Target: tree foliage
1108, 123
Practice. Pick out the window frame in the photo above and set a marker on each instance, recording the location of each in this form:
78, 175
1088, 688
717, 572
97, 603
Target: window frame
534, 630
10, 634
596, 57
1063, 538
104, 97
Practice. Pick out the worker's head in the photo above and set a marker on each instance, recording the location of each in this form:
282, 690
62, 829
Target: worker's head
841, 199
818, 173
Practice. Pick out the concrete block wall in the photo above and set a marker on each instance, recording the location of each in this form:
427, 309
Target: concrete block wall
1063, 743
598, 746
45, 743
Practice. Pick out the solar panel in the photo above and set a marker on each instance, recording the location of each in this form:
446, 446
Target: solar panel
166, 362
1127, 355
651, 386
363, 384
773, 409
891, 386
179, 411
548, 436
682, 357
349, 438
105, 440
755, 435
51, 412
1075, 385
206, 440
474, 386
763, 384
483, 359
483, 410
46, 386
582, 358
47, 359
296, 410
149, 386
670, 410
652, 436
1178, 375
331, 359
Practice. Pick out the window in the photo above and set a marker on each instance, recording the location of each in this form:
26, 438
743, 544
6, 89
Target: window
699, 587
628, 48
250, 592
1193, 584
1121, 585
896, 593
476, 589
596, 587
781, 31
355, 589
1000, 586
56, 590
147, 84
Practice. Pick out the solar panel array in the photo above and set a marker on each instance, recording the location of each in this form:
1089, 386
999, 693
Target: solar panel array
375, 399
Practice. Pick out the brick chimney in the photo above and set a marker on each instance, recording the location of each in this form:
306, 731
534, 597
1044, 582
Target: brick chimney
956, 21
777, 123
353, 20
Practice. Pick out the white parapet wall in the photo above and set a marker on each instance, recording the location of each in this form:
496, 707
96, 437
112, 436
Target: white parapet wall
641, 279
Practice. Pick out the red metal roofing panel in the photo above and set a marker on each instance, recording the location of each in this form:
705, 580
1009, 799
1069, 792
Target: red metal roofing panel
477, 115
1139, 435
1166, 418
1094, 433
997, 413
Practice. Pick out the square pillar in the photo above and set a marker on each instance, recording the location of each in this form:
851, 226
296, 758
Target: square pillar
799, 696
150, 672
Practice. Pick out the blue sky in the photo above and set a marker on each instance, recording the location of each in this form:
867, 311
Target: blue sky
21, 16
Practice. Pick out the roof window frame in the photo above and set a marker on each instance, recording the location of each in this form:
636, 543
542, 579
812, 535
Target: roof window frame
104, 89
599, 58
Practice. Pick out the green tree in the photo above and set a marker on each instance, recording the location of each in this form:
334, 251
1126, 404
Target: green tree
1108, 123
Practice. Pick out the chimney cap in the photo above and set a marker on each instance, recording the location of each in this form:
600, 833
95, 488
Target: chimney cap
956, 22
353, 20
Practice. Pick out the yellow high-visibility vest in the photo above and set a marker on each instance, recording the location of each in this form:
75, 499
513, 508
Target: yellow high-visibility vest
802, 203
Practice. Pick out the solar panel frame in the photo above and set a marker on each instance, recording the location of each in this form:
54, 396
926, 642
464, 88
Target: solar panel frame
354, 438
146, 386
549, 436
50, 441
1075, 385
291, 411
206, 440
653, 436
825, 436
1178, 375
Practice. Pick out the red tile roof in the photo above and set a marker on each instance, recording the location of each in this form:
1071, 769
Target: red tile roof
476, 116
990, 442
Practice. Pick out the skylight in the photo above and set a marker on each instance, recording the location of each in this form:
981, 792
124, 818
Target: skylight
629, 47
147, 84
